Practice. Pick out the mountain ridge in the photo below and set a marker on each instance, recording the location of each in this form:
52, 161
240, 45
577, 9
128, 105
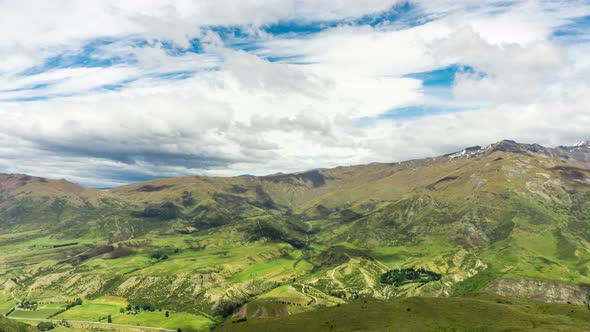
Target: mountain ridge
504, 144
502, 219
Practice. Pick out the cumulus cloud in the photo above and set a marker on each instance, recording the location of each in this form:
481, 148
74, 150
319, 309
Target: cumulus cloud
111, 92
499, 68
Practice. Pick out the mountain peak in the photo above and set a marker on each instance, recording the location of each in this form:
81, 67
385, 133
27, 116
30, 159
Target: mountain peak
583, 144
472, 150
513, 146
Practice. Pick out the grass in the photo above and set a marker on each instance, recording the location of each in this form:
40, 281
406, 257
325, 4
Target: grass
418, 254
6, 302
71, 329
90, 311
185, 321
285, 293
6, 306
43, 311
475, 312
9, 325
99, 309
280, 266
486, 213
475, 283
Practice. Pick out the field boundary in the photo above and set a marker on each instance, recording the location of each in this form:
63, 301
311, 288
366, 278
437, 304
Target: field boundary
91, 322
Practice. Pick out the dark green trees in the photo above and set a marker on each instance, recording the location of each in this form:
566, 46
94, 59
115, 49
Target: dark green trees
400, 277
45, 326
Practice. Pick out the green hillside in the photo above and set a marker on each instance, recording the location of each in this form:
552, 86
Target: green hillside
510, 219
8, 325
477, 312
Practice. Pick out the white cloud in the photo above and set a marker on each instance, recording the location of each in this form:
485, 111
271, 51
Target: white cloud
235, 112
500, 68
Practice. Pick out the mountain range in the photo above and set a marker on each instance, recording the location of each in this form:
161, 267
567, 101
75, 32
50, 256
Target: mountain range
508, 219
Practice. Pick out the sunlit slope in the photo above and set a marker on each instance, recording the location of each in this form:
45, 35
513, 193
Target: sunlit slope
502, 167
478, 312
28, 202
7, 325
510, 218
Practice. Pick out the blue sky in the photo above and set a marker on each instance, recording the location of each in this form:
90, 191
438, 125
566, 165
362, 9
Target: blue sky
109, 92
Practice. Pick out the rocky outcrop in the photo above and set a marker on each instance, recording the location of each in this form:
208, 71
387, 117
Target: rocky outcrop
542, 290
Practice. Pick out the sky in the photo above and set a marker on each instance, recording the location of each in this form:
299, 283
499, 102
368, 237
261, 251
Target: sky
109, 92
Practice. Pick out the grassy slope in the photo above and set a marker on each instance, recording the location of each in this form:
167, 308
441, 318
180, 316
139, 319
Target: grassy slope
7, 325
326, 234
476, 312
98, 310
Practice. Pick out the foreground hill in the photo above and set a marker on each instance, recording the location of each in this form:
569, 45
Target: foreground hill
7, 325
511, 219
476, 312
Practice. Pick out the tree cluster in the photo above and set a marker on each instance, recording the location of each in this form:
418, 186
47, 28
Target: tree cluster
145, 307
45, 326
226, 308
187, 199
159, 256
28, 305
74, 303
400, 277
164, 211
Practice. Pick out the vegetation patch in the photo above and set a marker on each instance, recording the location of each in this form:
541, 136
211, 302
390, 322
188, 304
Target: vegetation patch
445, 179
164, 211
400, 277
477, 312
475, 283
149, 188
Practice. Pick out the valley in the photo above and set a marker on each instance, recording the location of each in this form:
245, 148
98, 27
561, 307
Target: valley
508, 222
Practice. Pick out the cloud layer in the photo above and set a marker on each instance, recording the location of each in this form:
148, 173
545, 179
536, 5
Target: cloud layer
111, 92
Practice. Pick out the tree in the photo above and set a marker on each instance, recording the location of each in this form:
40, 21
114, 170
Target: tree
148, 307
74, 303
129, 307
179, 330
399, 277
45, 326
109, 319
167, 314
122, 310
225, 308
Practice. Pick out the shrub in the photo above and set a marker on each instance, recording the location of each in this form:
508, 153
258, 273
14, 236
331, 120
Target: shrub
45, 326
74, 303
164, 211
226, 309
187, 199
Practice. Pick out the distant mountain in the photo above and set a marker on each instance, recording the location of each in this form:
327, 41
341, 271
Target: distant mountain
509, 218
580, 146
21, 185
